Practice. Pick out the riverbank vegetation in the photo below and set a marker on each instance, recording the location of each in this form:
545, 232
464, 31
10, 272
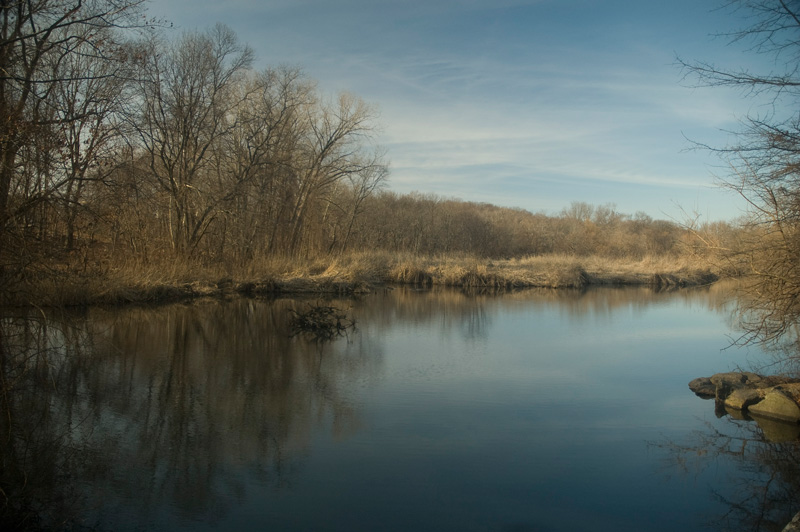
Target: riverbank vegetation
355, 272
141, 165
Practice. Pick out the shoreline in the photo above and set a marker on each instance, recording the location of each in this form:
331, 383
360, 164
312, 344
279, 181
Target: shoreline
354, 275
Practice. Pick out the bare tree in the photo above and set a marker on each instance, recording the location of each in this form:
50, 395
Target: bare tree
36, 37
255, 161
187, 106
363, 184
333, 149
347, 201
765, 164
86, 107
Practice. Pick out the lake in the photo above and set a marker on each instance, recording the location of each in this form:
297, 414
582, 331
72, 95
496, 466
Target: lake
539, 410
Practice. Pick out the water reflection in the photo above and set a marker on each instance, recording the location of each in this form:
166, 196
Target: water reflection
761, 456
38, 457
178, 416
163, 404
760, 492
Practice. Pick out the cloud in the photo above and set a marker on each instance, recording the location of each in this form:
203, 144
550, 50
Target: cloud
485, 98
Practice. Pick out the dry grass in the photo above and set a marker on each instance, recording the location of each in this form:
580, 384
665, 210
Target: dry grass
357, 272
560, 271
552, 271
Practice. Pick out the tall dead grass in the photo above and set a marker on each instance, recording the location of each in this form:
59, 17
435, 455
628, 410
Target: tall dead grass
550, 271
168, 280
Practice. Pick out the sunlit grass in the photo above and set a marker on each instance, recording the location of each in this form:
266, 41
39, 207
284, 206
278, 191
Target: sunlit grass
165, 280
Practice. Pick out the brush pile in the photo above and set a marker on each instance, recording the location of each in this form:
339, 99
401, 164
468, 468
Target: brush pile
321, 322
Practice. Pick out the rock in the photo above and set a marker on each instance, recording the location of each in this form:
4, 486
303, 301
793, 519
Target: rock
772, 401
743, 398
794, 524
703, 387
777, 405
735, 378
722, 385
775, 380
792, 389
725, 383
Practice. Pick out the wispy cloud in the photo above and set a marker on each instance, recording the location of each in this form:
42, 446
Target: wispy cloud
531, 102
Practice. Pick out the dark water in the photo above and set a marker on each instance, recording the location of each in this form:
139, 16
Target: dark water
534, 411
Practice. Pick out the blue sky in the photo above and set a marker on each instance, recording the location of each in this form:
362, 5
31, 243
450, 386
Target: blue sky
521, 103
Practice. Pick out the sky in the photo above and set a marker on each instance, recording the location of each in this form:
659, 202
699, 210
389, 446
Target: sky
531, 104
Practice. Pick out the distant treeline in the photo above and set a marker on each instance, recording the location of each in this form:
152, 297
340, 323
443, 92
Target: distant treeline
428, 224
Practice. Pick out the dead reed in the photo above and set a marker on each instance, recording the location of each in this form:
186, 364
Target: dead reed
136, 282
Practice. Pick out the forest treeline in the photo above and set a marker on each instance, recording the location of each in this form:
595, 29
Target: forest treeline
124, 144
427, 224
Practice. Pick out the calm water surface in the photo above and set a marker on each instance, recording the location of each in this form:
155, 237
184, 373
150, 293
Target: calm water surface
533, 411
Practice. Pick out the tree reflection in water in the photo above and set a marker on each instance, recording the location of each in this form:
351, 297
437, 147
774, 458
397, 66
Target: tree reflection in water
156, 405
766, 455
177, 415
41, 456
767, 473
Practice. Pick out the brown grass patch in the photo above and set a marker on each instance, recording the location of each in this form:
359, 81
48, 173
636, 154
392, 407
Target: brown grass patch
353, 273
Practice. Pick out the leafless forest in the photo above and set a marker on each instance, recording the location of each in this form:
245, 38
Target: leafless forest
128, 147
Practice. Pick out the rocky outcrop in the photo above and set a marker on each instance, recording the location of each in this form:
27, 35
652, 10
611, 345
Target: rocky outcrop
743, 394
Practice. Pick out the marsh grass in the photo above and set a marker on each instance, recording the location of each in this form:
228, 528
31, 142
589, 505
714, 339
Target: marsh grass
174, 280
